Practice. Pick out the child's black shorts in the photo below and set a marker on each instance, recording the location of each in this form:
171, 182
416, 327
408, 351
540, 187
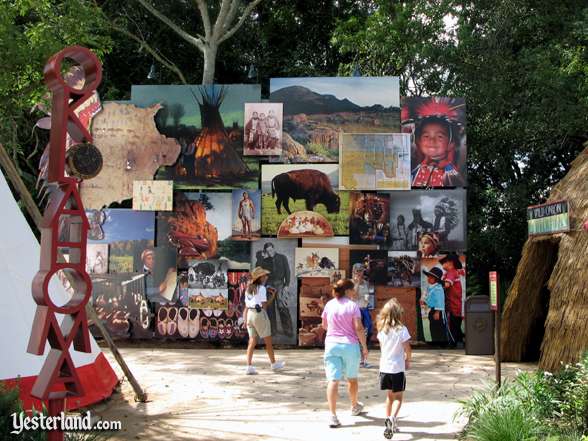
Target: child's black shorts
393, 382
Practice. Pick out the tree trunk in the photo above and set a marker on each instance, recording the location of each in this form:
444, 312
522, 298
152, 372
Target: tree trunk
209, 63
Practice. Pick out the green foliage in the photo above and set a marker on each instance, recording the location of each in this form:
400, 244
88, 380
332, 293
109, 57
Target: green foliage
534, 406
314, 148
30, 32
522, 67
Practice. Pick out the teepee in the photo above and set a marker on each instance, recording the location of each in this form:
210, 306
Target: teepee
19, 257
215, 156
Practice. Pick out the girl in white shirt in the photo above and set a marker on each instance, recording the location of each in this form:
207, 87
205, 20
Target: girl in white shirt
257, 320
394, 360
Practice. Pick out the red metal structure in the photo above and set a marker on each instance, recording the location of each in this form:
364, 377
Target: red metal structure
64, 228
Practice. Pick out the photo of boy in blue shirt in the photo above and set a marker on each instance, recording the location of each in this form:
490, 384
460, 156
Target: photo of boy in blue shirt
436, 302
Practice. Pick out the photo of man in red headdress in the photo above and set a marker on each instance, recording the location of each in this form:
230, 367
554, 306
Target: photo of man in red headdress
439, 150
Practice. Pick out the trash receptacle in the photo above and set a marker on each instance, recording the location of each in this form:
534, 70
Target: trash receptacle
479, 326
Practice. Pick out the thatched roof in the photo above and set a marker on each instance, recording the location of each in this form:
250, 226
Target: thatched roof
566, 330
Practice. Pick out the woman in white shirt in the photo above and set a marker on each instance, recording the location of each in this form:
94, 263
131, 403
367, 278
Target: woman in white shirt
257, 320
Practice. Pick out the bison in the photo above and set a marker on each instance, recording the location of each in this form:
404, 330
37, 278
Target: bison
311, 185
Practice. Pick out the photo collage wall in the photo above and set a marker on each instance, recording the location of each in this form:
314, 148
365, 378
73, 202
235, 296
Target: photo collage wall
329, 178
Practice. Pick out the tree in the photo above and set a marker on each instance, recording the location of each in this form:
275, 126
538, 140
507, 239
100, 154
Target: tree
228, 21
522, 66
30, 32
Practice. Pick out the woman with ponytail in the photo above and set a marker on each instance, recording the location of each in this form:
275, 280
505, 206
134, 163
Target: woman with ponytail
345, 333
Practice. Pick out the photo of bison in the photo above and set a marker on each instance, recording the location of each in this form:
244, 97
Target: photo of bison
288, 189
311, 185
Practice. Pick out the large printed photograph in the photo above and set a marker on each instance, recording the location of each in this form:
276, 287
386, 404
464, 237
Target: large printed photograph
428, 221
439, 150
290, 188
208, 123
317, 110
278, 256
200, 228
374, 161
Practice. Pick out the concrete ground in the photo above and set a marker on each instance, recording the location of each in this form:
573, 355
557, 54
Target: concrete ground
203, 394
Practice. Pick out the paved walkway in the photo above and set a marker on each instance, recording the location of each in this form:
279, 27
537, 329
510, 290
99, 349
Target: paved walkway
202, 394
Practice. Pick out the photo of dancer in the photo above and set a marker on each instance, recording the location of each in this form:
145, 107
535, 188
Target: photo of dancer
246, 217
263, 129
369, 222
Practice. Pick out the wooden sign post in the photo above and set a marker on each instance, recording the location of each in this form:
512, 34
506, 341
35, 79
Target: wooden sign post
495, 306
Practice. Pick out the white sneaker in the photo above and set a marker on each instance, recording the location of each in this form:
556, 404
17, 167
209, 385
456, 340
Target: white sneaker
334, 421
250, 370
278, 365
357, 409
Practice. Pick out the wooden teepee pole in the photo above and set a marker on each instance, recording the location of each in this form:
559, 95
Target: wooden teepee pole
35, 213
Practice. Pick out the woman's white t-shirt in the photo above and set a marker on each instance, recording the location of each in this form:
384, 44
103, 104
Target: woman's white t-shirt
255, 299
392, 351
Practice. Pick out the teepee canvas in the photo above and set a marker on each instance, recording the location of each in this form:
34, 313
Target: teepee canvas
19, 256
215, 156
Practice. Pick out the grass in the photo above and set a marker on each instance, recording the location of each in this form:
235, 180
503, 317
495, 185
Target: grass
120, 264
271, 220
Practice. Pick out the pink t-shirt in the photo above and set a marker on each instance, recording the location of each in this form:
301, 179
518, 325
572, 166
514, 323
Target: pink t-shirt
339, 314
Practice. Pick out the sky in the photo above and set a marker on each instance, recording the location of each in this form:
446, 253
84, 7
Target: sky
363, 91
124, 224
232, 107
220, 215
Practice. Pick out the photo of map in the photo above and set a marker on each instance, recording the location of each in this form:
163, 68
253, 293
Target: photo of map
374, 161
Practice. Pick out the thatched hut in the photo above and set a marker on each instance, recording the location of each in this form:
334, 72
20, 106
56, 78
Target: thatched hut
547, 305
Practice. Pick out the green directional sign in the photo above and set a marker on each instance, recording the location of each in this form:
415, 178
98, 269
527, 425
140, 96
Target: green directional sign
548, 218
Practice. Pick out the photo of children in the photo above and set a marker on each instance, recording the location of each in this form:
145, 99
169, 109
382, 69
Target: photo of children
439, 140
246, 211
442, 298
263, 129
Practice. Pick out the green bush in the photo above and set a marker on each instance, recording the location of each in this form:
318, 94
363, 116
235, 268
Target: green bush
537, 406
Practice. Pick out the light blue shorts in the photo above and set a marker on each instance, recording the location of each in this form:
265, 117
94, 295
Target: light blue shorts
342, 361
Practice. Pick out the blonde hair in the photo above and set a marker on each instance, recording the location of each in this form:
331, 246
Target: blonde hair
389, 316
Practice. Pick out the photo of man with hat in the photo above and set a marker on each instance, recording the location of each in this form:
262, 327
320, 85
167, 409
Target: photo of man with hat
453, 269
435, 301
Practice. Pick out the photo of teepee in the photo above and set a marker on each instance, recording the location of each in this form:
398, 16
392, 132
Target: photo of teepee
207, 121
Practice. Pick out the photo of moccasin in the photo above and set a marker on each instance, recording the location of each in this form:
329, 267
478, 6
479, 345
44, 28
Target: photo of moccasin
228, 328
221, 329
213, 329
144, 315
194, 322
183, 322
217, 312
162, 320
172, 324
204, 324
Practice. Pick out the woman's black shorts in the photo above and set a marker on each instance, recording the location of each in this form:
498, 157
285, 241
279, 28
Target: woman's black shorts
393, 382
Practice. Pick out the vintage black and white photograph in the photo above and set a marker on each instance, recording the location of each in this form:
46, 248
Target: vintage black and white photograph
207, 274
277, 256
263, 129
442, 213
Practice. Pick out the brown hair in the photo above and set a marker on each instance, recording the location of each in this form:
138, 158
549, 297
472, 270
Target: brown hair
389, 317
341, 286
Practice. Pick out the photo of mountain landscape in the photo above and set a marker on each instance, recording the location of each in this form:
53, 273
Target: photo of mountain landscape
317, 110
